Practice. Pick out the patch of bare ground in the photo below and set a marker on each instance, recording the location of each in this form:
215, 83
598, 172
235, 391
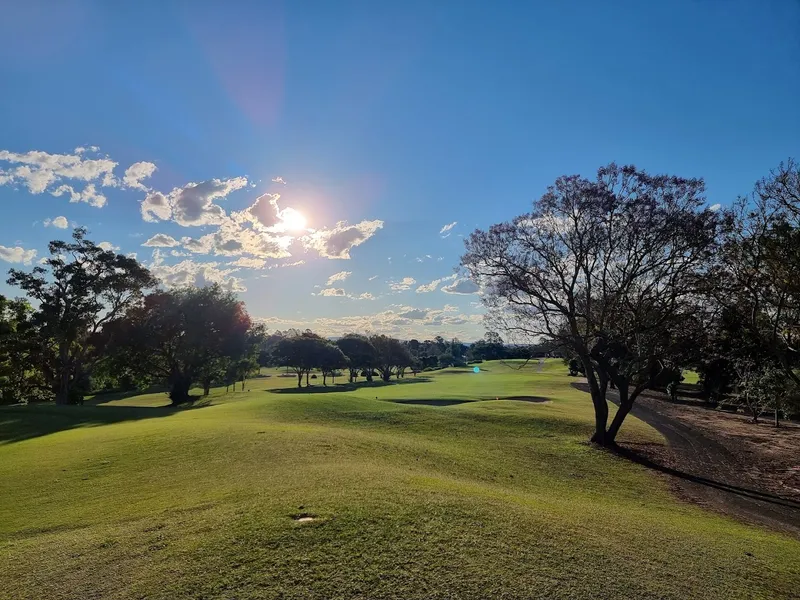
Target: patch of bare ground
722, 460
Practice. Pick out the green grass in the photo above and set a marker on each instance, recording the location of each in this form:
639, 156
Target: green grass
482, 499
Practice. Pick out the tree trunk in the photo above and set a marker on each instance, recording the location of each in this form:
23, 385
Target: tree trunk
300, 379
62, 394
179, 392
625, 405
369, 374
324, 379
598, 394
206, 387
307, 372
777, 420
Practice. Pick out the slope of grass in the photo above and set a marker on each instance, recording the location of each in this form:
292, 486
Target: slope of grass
486, 498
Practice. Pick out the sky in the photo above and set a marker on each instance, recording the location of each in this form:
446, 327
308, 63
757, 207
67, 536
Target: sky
324, 160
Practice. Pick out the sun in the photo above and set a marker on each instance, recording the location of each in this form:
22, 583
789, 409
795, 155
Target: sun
293, 220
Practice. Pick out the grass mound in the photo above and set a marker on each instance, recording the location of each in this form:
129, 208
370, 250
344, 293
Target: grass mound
468, 498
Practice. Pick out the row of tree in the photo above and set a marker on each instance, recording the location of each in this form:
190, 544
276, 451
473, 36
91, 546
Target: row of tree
89, 323
635, 277
96, 320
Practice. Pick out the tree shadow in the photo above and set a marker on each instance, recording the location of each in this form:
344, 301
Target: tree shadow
18, 423
431, 402
346, 387
640, 459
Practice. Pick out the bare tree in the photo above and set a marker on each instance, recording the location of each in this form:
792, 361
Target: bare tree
605, 268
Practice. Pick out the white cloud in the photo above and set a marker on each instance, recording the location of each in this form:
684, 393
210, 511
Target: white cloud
43, 172
462, 286
403, 284
431, 287
190, 273
372, 278
58, 222
337, 242
90, 195
192, 204
404, 322
155, 207
249, 263
366, 296
446, 230
332, 292
136, 173
108, 247
340, 276
162, 240
38, 170
17, 255
279, 180
715, 207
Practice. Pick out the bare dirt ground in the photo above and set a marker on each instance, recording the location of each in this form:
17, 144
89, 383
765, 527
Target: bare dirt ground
722, 460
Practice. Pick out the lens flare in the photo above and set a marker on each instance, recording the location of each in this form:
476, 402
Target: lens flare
292, 220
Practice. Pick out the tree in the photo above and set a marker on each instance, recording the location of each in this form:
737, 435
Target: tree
183, 336
390, 354
759, 267
85, 288
20, 353
607, 269
301, 353
360, 353
330, 358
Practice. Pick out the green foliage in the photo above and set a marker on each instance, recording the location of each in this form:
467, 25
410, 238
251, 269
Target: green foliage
81, 288
184, 336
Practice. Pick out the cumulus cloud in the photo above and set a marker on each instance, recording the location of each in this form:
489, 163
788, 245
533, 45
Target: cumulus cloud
196, 274
403, 284
108, 247
136, 173
414, 313
58, 223
17, 255
462, 286
715, 207
340, 276
404, 322
337, 242
433, 285
366, 296
162, 240
249, 263
90, 195
60, 174
447, 229
193, 204
332, 292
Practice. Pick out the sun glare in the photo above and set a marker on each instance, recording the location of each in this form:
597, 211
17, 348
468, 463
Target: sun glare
293, 220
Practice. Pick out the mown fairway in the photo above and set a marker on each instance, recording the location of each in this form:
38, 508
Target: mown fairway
488, 499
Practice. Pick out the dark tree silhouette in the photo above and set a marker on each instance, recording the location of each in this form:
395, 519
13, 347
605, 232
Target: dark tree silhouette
605, 268
180, 335
80, 288
360, 353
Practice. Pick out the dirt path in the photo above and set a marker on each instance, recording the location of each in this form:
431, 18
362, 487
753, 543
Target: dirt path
709, 469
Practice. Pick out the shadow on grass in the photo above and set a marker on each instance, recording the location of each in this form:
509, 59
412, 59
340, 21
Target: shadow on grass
346, 387
640, 459
18, 423
431, 402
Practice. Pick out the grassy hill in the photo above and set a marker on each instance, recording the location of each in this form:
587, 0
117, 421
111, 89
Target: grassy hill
440, 499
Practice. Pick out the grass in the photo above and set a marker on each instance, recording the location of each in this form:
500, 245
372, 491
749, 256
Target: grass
489, 498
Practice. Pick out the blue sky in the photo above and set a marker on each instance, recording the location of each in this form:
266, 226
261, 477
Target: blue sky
385, 121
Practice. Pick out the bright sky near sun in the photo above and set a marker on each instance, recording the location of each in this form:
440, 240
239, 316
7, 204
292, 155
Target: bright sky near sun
325, 159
